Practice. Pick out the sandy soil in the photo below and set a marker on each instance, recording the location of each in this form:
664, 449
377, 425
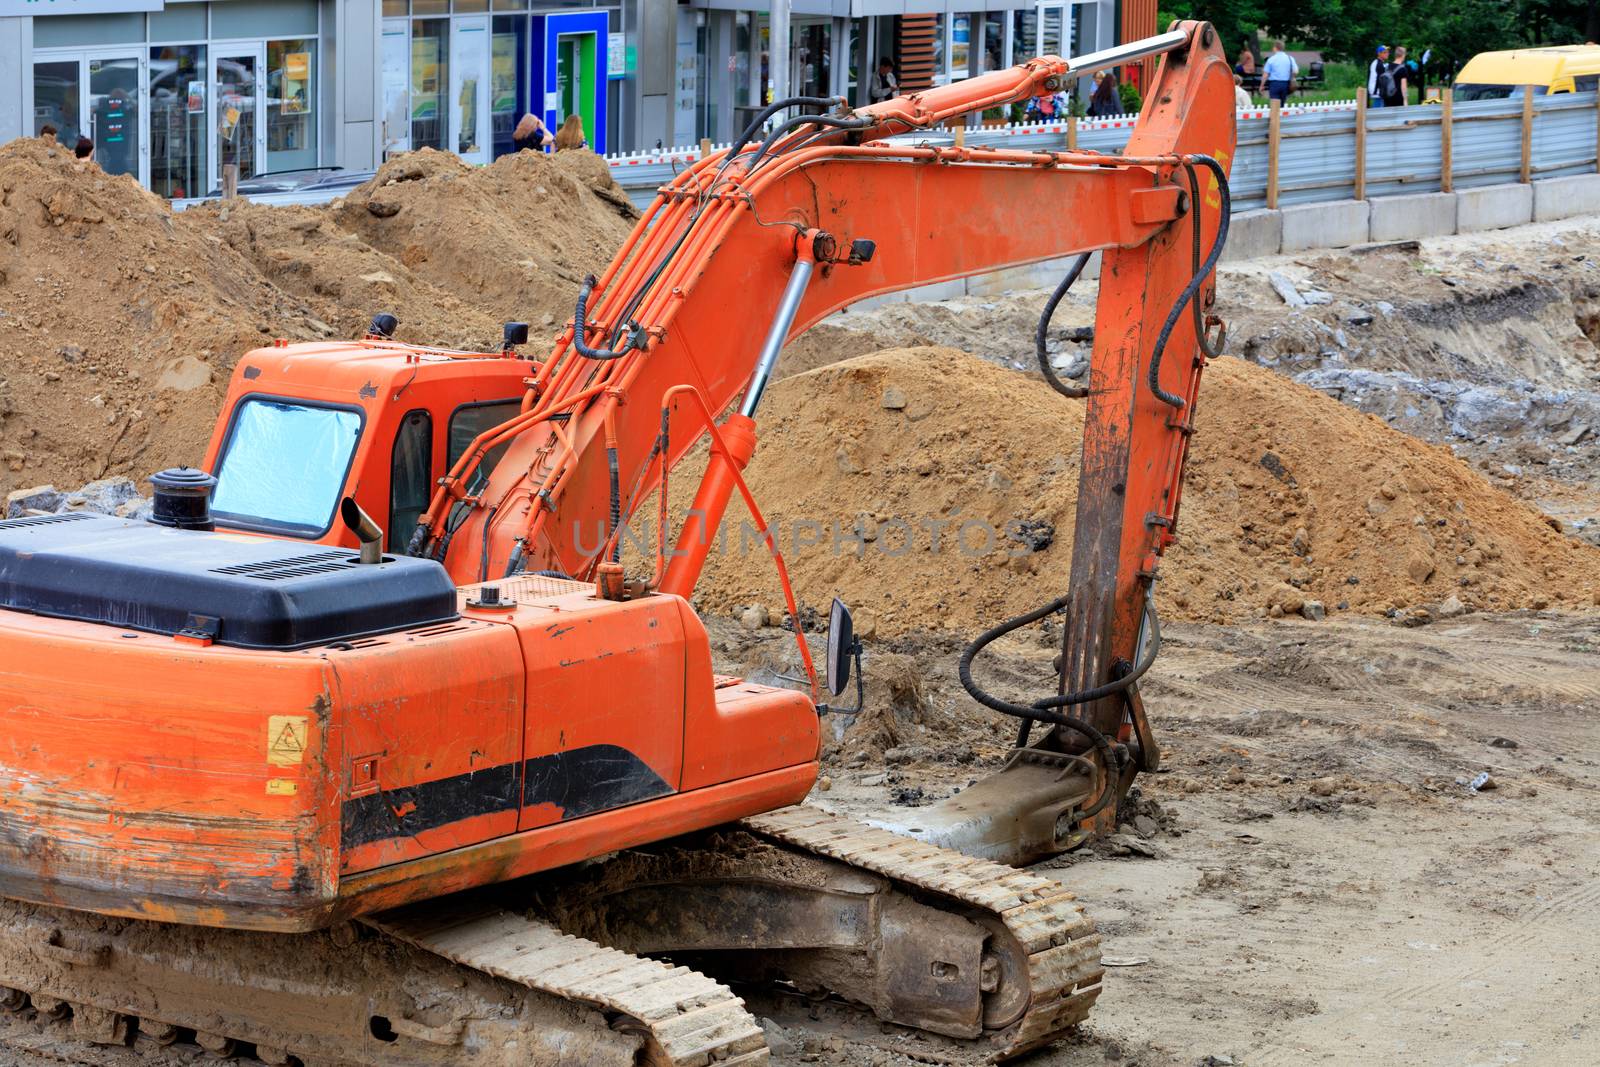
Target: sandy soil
1321, 888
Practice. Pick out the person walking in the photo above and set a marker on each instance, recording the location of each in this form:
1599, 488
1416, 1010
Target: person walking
1106, 101
1377, 72
1400, 79
1278, 73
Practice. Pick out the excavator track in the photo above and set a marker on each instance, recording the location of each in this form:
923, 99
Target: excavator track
965, 956
1063, 970
438, 983
686, 1018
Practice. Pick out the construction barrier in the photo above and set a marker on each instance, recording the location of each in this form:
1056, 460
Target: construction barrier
1312, 153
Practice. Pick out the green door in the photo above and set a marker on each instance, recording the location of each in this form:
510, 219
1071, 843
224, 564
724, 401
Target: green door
575, 78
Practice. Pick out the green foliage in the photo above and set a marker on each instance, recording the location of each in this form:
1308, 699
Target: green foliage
1132, 102
1350, 29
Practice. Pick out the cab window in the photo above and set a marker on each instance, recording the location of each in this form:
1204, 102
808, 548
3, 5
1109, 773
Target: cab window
410, 477
284, 465
470, 420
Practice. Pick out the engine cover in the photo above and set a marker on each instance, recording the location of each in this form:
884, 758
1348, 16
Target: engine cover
244, 591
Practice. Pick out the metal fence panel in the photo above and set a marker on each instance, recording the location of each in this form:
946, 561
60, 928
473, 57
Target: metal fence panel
1316, 162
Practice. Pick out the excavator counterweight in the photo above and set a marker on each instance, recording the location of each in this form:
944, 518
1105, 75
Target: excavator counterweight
377, 749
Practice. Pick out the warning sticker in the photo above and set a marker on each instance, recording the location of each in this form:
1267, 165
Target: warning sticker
286, 739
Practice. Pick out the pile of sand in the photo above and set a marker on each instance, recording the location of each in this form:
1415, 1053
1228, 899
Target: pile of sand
121, 322
303, 252
118, 328
914, 481
514, 238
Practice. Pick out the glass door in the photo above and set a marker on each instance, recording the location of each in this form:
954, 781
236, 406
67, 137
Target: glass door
469, 88
58, 99
396, 80
114, 105
237, 89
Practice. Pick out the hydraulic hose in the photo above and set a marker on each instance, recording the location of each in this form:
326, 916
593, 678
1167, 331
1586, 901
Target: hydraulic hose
616, 503
580, 322
772, 109
1041, 709
795, 123
1041, 333
1200, 275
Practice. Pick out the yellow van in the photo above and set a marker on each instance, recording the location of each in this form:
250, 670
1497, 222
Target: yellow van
1567, 68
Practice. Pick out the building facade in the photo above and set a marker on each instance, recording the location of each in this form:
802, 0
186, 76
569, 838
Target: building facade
173, 90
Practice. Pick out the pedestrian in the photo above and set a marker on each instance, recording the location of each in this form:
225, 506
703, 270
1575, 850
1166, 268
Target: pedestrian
84, 149
884, 85
1106, 101
571, 134
48, 132
1376, 72
1245, 65
1400, 77
1240, 97
1277, 74
531, 133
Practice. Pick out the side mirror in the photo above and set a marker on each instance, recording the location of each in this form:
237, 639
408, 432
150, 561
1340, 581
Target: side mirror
513, 334
842, 647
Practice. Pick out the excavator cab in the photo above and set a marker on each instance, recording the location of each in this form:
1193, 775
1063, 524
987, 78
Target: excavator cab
306, 425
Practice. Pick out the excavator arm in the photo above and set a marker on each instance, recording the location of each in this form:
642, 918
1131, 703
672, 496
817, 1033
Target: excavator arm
710, 271
749, 247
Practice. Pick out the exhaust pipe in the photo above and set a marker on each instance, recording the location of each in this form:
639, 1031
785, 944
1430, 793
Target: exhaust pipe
360, 523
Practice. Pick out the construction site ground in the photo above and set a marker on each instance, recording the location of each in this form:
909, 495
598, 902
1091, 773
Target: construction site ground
1386, 585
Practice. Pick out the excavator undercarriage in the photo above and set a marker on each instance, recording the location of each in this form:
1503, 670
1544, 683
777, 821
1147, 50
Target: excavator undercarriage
966, 956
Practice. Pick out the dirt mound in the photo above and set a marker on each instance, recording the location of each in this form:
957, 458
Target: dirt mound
938, 490
304, 252
120, 322
118, 328
514, 238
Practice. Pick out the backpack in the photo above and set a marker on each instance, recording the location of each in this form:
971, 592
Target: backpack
1387, 86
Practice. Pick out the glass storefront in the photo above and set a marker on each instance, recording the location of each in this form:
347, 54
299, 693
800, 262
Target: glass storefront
172, 96
291, 105
428, 74
458, 75
178, 142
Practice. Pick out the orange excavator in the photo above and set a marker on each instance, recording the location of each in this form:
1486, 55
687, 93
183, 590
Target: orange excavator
457, 787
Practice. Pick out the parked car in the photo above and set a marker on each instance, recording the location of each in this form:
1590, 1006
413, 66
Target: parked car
311, 179
1568, 68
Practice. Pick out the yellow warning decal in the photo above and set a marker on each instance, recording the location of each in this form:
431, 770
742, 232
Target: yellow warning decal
281, 787
286, 739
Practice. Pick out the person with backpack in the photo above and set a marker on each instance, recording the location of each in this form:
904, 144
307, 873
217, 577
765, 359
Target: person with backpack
1377, 72
1400, 77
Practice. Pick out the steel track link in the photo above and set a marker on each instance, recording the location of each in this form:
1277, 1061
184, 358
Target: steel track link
1062, 949
687, 1019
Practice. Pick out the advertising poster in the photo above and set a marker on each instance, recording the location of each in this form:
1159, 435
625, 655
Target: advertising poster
297, 83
